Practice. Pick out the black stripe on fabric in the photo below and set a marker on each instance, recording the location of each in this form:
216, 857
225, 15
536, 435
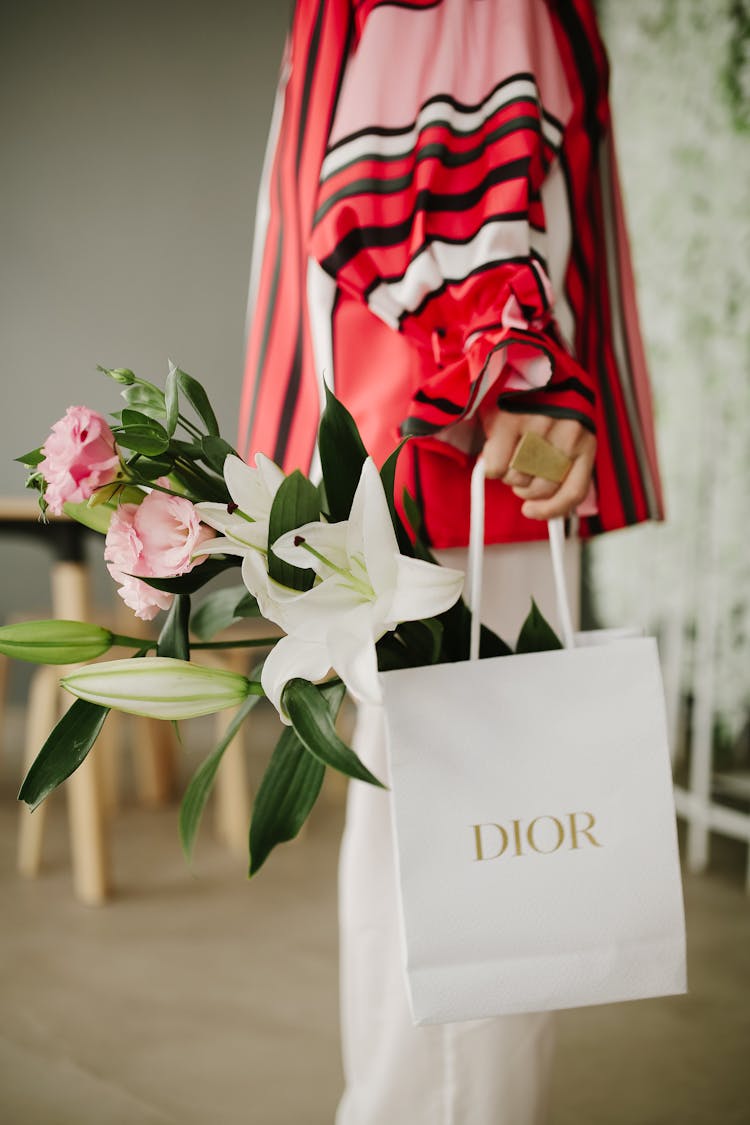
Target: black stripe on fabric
617, 307
273, 292
417, 427
544, 299
447, 99
434, 148
511, 405
569, 384
295, 373
588, 76
443, 404
485, 267
361, 238
405, 4
371, 185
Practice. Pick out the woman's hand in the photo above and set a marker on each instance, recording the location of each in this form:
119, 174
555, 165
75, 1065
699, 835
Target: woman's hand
543, 499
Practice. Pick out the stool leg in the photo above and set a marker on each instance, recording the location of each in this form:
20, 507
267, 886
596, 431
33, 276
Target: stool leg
88, 842
108, 747
232, 789
155, 762
42, 716
3, 696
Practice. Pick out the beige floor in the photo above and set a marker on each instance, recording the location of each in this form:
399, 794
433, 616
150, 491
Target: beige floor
199, 998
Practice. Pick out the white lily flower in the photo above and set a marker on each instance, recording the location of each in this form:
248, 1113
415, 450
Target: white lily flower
243, 525
366, 588
159, 687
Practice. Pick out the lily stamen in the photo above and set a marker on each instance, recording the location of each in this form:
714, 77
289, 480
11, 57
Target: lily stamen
351, 580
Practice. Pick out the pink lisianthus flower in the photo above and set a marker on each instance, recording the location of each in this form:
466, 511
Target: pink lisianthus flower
155, 539
80, 455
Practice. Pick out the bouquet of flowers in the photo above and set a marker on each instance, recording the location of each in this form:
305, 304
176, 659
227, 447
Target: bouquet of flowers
336, 565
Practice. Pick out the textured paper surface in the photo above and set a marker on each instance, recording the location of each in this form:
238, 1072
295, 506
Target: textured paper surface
599, 917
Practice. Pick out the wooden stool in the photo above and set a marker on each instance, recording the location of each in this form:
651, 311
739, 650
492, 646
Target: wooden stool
69, 587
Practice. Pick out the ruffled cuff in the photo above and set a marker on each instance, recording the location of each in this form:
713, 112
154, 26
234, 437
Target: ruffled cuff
517, 359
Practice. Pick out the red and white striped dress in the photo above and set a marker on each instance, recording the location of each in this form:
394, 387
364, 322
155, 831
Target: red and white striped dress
440, 221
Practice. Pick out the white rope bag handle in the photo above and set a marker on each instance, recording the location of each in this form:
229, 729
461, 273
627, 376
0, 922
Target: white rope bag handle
556, 528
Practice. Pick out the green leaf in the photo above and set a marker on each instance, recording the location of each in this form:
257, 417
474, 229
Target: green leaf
146, 396
174, 638
148, 468
34, 458
216, 451
54, 642
142, 439
222, 609
412, 513
288, 791
295, 504
456, 623
119, 374
198, 399
388, 477
423, 640
342, 455
537, 635
311, 718
201, 486
190, 449
197, 577
201, 784
138, 418
171, 399
96, 518
64, 750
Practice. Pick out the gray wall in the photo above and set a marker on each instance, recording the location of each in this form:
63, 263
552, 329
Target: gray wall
132, 140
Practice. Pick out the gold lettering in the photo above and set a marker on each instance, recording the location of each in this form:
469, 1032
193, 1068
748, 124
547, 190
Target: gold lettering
517, 837
530, 834
478, 840
575, 829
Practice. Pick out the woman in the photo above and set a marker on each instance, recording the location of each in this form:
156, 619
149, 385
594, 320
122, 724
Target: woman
441, 240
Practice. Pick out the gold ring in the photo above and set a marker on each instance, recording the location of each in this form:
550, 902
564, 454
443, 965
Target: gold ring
539, 458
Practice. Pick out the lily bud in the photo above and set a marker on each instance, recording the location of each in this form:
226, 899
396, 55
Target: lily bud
54, 642
159, 687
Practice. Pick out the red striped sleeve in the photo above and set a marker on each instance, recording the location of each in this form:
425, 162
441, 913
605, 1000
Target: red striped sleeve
280, 401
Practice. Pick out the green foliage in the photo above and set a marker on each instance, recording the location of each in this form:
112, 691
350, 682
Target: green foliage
286, 796
145, 396
198, 399
295, 504
288, 791
342, 455
388, 477
537, 635
174, 639
201, 784
309, 713
64, 750
222, 609
196, 578
32, 459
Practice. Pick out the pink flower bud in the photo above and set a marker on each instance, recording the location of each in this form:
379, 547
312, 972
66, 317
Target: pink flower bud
79, 456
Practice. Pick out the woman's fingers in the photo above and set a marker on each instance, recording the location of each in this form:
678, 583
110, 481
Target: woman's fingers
570, 493
543, 499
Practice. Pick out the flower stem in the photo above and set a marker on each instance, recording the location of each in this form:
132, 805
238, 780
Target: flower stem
124, 641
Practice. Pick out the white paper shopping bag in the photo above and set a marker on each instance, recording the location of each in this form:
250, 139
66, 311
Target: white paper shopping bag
535, 831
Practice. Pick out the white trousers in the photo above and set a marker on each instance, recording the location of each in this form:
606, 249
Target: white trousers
486, 1072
